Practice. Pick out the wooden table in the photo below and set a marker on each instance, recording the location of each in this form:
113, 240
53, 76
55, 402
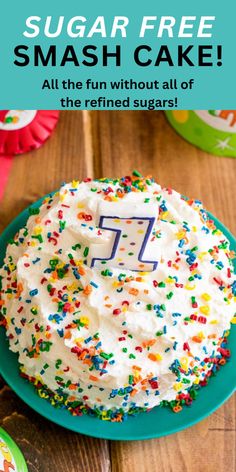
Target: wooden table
112, 144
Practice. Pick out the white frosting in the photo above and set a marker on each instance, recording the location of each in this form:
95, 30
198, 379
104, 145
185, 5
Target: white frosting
145, 308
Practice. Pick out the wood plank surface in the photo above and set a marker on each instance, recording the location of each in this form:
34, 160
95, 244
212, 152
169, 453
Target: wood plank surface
112, 144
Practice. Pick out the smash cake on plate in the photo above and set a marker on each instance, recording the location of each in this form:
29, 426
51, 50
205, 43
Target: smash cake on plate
117, 296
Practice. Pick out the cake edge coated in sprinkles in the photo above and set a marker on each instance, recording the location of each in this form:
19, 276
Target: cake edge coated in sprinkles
77, 408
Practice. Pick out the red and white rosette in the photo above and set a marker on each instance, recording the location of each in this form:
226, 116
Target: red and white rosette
22, 131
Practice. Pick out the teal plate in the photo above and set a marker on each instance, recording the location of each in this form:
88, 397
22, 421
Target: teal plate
156, 423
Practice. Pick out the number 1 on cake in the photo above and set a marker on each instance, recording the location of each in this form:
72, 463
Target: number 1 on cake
129, 245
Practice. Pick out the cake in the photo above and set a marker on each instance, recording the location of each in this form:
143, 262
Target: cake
117, 297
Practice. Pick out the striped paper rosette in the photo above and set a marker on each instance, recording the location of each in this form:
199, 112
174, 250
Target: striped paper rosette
22, 131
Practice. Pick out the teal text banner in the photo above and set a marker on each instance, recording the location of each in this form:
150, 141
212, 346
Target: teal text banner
117, 55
